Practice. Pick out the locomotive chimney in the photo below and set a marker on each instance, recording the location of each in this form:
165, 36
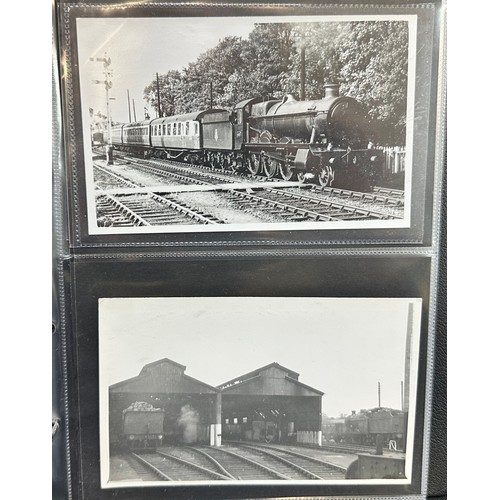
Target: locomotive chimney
332, 90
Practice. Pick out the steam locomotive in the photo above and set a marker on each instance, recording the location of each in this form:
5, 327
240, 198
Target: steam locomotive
364, 426
142, 427
324, 140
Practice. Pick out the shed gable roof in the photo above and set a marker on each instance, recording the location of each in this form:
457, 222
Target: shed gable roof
271, 379
163, 376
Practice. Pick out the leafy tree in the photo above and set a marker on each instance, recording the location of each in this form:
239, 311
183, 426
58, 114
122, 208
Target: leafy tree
369, 58
170, 89
269, 56
205, 79
374, 69
318, 43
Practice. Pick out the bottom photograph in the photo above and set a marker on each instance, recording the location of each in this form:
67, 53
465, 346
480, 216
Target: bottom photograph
257, 390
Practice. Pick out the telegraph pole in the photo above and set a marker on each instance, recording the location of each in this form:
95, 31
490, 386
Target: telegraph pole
106, 61
303, 72
128, 100
301, 43
158, 92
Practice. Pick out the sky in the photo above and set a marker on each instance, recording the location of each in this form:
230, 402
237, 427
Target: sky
139, 48
342, 347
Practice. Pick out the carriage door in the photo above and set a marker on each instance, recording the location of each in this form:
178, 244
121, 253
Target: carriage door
238, 128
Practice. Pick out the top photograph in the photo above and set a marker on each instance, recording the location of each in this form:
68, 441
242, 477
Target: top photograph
247, 123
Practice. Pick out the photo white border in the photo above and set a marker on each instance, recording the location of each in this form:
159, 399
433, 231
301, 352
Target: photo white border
405, 222
414, 353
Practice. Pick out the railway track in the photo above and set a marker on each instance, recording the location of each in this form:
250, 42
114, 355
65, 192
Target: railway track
314, 467
204, 174
169, 467
300, 207
389, 191
149, 210
241, 466
150, 206
232, 461
125, 467
378, 196
144, 209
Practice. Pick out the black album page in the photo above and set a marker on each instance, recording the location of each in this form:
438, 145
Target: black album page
248, 257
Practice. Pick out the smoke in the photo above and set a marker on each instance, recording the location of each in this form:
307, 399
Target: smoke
188, 422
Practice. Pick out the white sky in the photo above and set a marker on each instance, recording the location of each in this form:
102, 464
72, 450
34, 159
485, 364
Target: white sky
342, 347
139, 48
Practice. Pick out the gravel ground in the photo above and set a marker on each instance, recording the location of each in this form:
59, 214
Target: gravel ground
225, 209
222, 206
365, 205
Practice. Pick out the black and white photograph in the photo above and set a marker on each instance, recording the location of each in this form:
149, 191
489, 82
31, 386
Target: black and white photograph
257, 390
247, 123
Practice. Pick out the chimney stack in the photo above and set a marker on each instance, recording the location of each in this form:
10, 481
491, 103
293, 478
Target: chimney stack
332, 90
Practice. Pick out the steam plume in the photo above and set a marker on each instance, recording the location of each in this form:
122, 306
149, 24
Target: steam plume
188, 422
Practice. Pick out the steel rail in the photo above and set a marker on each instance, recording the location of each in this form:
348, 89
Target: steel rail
213, 460
254, 463
327, 203
194, 466
283, 460
153, 468
338, 468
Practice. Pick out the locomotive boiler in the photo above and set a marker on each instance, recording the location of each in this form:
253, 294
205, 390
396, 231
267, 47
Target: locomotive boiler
326, 139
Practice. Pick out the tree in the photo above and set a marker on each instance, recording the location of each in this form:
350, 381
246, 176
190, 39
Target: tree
368, 58
205, 79
374, 69
170, 89
268, 58
319, 44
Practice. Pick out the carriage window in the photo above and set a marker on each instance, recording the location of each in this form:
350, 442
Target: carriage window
181, 129
174, 129
164, 129
195, 128
169, 129
235, 420
187, 128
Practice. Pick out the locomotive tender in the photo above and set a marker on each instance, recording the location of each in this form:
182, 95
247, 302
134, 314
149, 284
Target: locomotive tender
325, 139
142, 427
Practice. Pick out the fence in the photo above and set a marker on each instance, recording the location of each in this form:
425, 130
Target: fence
394, 159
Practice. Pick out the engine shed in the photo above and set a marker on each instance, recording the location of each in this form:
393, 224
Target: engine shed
271, 405
192, 408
